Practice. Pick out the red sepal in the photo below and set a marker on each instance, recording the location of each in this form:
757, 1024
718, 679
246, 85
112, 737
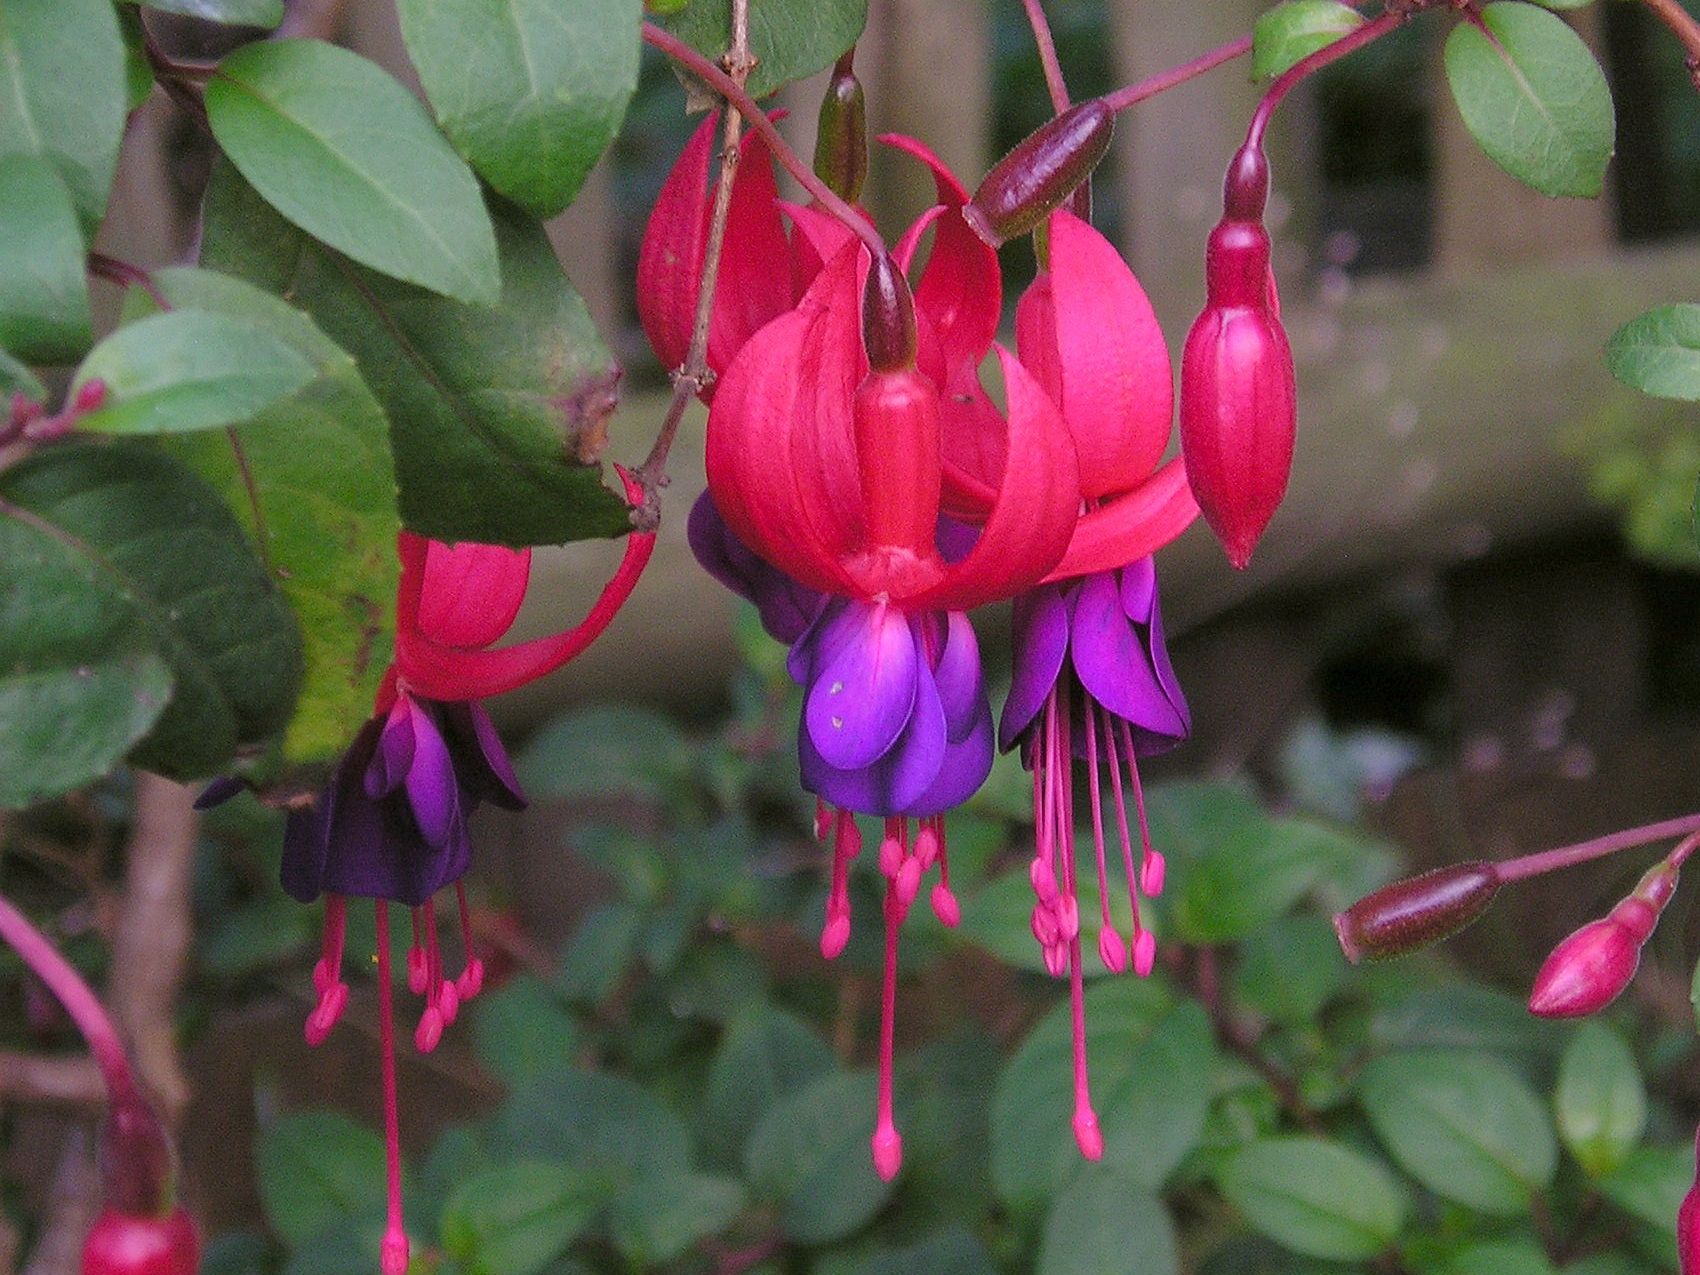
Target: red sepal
471, 592
1130, 527
669, 273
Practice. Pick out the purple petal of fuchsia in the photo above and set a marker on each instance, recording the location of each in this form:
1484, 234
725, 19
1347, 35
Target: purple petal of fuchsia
1040, 640
307, 834
393, 756
1113, 663
966, 764
834, 627
1139, 590
962, 687
1146, 741
860, 703
376, 853
432, 791
480, 761
786, 607
893, 783
954, 539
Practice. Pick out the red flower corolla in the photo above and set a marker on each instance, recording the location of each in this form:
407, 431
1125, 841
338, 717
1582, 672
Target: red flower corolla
1092, 674
835, 440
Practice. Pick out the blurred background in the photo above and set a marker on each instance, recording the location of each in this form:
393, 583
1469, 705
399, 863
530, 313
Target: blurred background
1473, 630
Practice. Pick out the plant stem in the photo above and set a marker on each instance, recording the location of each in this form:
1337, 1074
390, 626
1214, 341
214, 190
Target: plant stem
1207, 984
1048, 54
1133, 94
1534, 865
1351, 42
1685, 27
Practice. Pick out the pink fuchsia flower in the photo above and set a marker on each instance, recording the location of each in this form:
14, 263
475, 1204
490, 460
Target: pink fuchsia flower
827, 457
1092, 673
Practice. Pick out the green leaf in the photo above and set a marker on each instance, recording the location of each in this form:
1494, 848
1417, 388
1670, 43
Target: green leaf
188, 370
1468, 1017
62, 87
662, 1216
1659, 353
764, 1055
1650, 1184
256, 936
1253, 875
131, 551
1146, 1056
265, 14
953, 1251
1289, 33
15, 378
514, 1219
1106, 1222
1601, 1102
317, 1169
522, 1031
607, 752
1290, 969
1500, 1257
529, 91
790, 41
592, 1118
314, 471
1464, 1125
809, 1155
44, 297
1533, 96
1316, 1197
346, 153
601, 951
490, 411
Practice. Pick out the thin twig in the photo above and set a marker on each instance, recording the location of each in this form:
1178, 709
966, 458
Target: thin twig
1133, 94
1242, 1040
44, 1078
1048, 59
1686, 28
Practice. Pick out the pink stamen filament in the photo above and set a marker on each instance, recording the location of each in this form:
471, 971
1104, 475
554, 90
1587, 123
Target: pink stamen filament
1121, 821
418, 966
395, 1252
887, 1143
327, 974
471, 980
1110, 949
846, 845
1086, 1133
432, 1021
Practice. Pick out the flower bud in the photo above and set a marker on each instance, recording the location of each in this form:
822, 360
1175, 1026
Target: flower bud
122, 1243
1413, 913
888, 317
1688, 1225
1590, 969
841, 140
1040, 173
138, 1166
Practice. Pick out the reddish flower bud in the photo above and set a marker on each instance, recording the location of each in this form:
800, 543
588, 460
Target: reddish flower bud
138, 1166
1590, 969
888, 318
1239, 406
841, 139
1688, 1224
1030, 182
137, 1244
1413, 913
89, 397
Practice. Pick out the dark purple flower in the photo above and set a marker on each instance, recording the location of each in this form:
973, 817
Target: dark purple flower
1092, 680
786, 607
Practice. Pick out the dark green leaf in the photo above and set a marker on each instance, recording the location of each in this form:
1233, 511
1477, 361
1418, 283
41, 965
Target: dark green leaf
44, 297
1601, 1102
317, 465
1290, 969
810, 1156
265, 14
764, 1055
606, 752
1106, 1222
514, 1219
523, 1032
1501, 1257
1650, 1184
1292, 31
316, 1170
601, 950
662, 1216
590, 1118
62, 93
132, 550
953, 1252
347, 154
1659, 353
789, 40
236, 1253
1252, 876
490, 411
256, 936
188, 370
1533, 96
346, 1248
529, 91
1464, 1125
1466, 1017
15, 378
1316, 1197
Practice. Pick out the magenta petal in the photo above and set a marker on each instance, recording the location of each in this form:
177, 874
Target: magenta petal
894, 783
432, 791
1139, 590
1113, 664
957, 673
1040, 625
861, 702
394, 753
966, 764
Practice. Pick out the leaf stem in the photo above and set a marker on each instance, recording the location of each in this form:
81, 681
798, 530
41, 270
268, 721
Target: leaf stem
1047, 45
126, 275
1686, 28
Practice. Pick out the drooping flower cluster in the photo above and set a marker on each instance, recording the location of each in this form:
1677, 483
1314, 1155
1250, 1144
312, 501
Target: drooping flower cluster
866, 494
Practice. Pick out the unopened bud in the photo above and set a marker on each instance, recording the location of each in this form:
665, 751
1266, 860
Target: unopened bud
89, 397
1245, 190
122, 1243
1035, 178
1413, 913
1591, 968
841, 140
888, 317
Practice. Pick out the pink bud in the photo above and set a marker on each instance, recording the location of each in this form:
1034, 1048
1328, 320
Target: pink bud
1588, 971
122, 1243
1688, 1224
888, 1151
1040, 173
1144, 953
1413, 913
1111, 950
89, 397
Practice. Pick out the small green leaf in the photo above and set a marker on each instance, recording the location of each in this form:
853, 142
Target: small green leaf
790, 41
592, 1118
318, 1169
660, 1218
764, 1055
15, 378
256, 936
44, 297
1533, 96
1601, 1102
601, 950
62, 89
1106, 1222
1289, 33
514, 1219
1464, 1125
1650, 1184
1316, 1197
809, 1155
953, 1251
264, 14
188, 370
1253, 875
1500, 1257
346, 153
522, 1031
529, 91
1290, 969
1659, 353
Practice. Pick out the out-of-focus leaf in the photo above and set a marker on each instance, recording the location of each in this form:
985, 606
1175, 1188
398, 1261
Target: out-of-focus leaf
522, 1031
317, 1170
44, 295
1253, 876
1108, 1222
1287, 34
764, 1055
1601, 1102
1316, 1197
606, 752
264, 14
809, 1155
514, 1219
661, 1217
1501, 1257
1659, 352
790, 41
257, 936
1290, 969
600, 951
15, 378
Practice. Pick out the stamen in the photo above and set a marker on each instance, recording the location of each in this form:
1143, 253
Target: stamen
846, 845
1121, 829
418, 968
327, 973
945, 906
823, 820
394, 1251
471, 980
431, 1023
887, 1143
1111, 950
1152, 866
892, 847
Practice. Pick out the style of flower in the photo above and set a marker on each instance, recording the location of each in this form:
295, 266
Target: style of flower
1092, 675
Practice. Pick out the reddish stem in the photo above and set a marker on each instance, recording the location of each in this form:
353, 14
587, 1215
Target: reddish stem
1048, 54
126, 275
1534, 865
1351, 42
1133, 94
